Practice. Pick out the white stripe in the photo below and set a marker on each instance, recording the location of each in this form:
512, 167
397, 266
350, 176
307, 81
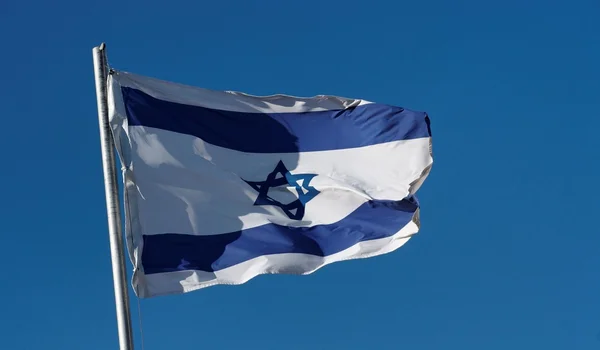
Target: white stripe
230, 100
185, 185
290, 263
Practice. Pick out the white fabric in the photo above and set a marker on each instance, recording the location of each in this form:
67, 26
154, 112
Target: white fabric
177, 183
231, 100
201, 189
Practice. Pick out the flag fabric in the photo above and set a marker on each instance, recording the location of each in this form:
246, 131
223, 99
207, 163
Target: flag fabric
223, 186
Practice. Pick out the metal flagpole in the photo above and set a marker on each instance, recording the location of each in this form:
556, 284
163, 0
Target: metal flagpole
111, 190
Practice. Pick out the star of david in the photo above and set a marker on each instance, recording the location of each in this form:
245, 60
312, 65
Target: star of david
301, 182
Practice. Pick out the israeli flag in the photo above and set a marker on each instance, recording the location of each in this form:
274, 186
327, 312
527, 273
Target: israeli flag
223, 186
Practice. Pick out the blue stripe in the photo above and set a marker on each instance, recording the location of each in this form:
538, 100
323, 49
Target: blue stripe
278, 132
372, 220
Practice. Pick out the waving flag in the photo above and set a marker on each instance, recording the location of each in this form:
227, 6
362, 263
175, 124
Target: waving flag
222, 186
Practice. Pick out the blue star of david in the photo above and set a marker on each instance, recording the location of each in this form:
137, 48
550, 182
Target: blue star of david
294, 210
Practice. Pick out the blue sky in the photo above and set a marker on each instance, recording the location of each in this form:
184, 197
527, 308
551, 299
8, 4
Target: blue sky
508, 254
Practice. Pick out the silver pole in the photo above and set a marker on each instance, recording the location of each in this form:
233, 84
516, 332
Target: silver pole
111, 190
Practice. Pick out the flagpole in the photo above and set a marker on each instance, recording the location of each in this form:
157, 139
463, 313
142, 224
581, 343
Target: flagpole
111, 190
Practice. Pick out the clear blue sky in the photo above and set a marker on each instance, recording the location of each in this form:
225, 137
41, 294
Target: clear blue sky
508, 256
